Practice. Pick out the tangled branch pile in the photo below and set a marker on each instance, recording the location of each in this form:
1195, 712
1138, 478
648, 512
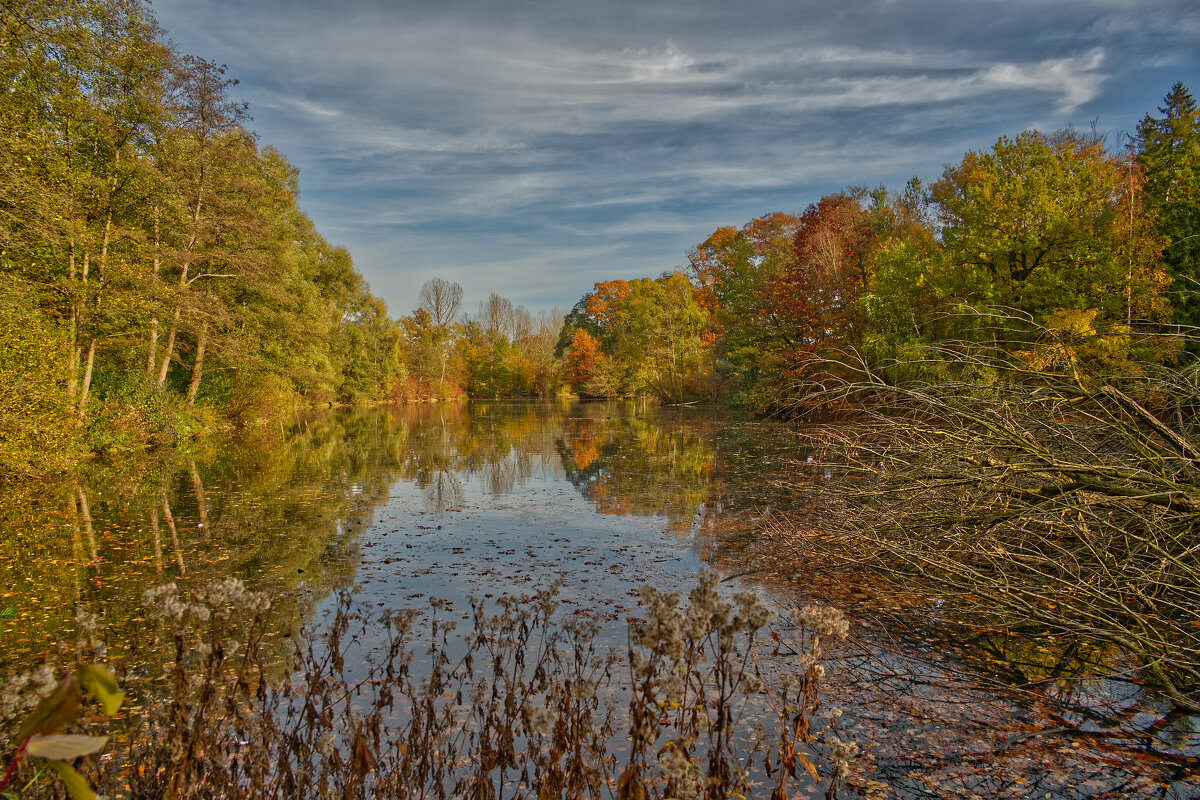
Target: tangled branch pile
1044, 500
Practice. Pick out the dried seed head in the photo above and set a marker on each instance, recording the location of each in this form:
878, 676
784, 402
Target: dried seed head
673, 763
752, 612
825, 620
672, 688
841, 754
542, 720
750, 684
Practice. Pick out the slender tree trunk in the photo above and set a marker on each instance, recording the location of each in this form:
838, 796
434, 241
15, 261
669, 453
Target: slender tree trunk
151, 358
85, 387
198, 365
85, 384
73, 362
87, 379
169, 345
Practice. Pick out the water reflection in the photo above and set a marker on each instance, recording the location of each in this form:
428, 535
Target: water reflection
284, 507
481, 499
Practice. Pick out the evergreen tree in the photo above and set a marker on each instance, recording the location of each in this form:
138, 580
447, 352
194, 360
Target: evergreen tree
1168, 149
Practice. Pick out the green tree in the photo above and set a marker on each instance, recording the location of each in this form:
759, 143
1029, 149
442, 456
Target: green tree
654, 337
1042, 220
35, 411
83, 90
1168, 149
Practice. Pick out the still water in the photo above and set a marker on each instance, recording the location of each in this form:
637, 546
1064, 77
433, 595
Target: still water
398, 503
492, 498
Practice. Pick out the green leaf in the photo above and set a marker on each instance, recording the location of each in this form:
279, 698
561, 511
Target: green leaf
64, 747
53, 712
101, 684
77, 785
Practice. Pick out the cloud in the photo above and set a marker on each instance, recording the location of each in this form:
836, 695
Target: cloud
502, 139
1077, 80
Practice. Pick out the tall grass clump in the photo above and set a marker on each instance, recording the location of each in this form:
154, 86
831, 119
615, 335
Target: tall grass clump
523, 703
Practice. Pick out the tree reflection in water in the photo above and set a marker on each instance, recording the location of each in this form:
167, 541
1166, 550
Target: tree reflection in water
283, 507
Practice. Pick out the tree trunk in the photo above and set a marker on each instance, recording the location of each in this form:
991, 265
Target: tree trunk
169, 346
73, 362
198, 365
85, 386
87, 379
151, 357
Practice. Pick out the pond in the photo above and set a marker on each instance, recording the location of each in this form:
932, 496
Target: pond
397, 502
496, 498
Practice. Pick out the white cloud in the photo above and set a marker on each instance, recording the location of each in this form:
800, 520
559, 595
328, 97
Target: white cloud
423, 130
1076, 80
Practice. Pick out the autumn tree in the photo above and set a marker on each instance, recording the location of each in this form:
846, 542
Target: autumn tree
652, 338
208, 155
717, 264
153, 236
80, 103
732, 269
1039, 218
581, 359
811, 303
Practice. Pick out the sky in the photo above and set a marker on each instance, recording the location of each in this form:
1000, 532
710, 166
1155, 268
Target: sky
533, 148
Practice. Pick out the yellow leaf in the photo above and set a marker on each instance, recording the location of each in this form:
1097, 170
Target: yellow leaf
808, 765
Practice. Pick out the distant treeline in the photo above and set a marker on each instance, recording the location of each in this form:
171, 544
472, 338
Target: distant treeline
1095, 252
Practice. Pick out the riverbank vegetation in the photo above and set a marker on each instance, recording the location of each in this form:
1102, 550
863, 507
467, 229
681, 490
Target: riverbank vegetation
1011, 352
1048, 504
157, 274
